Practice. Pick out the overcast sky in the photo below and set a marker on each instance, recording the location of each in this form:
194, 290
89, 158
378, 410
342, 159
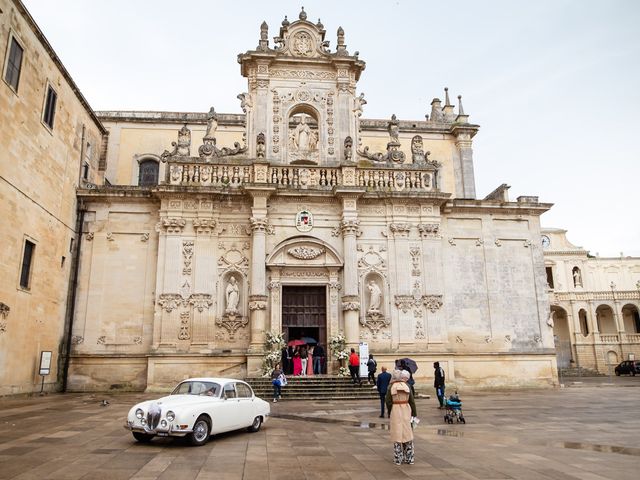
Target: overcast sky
553, 84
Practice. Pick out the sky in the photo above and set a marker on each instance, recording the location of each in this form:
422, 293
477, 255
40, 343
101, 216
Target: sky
553, 84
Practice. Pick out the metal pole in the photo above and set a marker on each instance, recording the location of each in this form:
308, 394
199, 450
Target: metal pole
42, 385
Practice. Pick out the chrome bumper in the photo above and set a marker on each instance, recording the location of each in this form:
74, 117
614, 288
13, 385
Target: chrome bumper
157, 431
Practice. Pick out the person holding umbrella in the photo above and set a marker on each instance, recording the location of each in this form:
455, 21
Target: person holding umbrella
410, 366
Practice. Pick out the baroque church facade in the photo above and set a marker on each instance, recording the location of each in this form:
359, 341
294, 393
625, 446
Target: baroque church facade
302, 217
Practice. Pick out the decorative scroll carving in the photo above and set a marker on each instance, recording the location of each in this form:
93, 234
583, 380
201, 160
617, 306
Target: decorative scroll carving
4, 310
350, 303
183, 147
420, 333
102, 340
185, 327
303, 74
258, 302
170, 301
77, 340
394, 154
350, 227
305, 253
201, 301
187, 255
374, 321
137, 340
432, 302
89, 236
400, 229
429, 230
208, 150
275, 139
232, 322
404, 302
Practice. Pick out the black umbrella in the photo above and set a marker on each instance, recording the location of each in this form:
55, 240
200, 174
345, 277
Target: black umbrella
409, 364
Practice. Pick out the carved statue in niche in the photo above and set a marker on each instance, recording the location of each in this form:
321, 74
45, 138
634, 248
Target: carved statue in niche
577, 277
348, 149
232, 295
212, 123
375, 296
303, 138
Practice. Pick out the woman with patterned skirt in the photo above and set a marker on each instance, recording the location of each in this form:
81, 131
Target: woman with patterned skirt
402, 405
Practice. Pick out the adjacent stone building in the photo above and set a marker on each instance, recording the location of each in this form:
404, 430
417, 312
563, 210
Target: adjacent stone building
303, 217
50, 143
594, 304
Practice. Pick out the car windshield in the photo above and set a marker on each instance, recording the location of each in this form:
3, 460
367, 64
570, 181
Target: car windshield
197, 387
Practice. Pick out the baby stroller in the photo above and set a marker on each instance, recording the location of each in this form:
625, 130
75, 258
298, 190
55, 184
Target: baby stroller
454, 409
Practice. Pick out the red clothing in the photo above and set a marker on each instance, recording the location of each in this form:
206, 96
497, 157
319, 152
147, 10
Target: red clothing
297, 365
354, 360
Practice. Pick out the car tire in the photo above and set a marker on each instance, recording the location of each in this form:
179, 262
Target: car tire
255, 426
201, 431
142, 437
633, 374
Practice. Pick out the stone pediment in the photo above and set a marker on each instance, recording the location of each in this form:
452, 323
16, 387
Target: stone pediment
304, 252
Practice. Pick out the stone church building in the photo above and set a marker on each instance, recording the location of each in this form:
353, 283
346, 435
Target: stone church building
303, 217
198, 233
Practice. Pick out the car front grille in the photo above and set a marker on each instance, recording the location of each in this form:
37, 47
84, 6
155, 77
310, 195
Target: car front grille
153, 417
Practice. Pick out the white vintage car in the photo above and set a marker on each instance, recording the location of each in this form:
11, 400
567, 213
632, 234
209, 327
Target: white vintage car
198, 408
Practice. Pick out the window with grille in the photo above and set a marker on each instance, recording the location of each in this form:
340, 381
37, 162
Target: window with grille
148, 173
50, 107
14, 64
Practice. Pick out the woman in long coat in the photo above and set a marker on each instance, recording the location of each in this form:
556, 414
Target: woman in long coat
402, 405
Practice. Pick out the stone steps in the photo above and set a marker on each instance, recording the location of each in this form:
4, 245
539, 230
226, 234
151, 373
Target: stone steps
317, 387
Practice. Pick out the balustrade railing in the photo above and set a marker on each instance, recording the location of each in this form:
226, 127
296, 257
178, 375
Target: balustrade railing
606, 338
632, 337
391, 179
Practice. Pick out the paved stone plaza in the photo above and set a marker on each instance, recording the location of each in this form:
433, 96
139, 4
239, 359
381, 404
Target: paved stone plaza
587, 431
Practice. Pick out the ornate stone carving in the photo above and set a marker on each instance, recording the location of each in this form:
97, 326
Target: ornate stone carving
404, 302
374, 321
429, 230
144, 237
201, 301
303, 44
89, 236
273, 284
459, 339
170, 301
432, 302
261, 149
400, 229
358, 103
4, 310
110, 237
259, 224
348, 149
420, 333
173, 225
417, 150
3, 327
187, 255
258, 302
185, 327
183, 147
350, 227
232, 322
305, 253
204, 226
137, 340
209, 150
415, 260
77, 340
350, 303
102, 340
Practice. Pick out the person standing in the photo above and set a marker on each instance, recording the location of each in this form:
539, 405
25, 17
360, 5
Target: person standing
318, 359
401, 403
382, 385
276, 381
304, 357
372, 366
438, 383
354, 367
297, 362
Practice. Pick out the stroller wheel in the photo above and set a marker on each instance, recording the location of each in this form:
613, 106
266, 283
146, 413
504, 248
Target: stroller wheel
462, 420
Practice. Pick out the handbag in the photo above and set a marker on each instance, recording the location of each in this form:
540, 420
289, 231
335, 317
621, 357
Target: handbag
276, 382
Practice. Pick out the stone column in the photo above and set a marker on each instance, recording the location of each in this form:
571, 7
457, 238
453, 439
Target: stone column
403, 299
463, 169
204, 265
350, 298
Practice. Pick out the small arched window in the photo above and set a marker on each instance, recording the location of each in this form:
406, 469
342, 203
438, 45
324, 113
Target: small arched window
148, 173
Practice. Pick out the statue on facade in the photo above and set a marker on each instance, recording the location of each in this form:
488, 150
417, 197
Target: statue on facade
417, 150
212, 123
359, 102
375, 296
394, 129
245, 101
182, 148
303, 138
577, 277
232, 294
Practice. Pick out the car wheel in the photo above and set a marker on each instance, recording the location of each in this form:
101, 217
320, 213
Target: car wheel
142, 437
200, 433
617, 373
633, 373
255, 426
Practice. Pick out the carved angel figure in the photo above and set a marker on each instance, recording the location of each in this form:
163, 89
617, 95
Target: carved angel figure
359, 102
233, 295
375, 296
245, 101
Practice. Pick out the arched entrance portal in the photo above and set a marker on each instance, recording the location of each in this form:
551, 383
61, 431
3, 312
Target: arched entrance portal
304, 284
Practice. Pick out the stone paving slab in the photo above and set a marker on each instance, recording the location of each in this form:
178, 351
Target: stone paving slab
589, 433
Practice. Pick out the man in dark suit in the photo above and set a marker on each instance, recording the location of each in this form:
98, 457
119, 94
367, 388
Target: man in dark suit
382, 384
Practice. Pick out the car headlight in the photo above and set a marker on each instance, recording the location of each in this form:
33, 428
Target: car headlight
139, 413
163, 423
171, 416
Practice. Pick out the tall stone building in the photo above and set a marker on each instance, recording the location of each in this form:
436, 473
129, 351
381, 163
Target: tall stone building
594, 304
50, 143
303, 217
